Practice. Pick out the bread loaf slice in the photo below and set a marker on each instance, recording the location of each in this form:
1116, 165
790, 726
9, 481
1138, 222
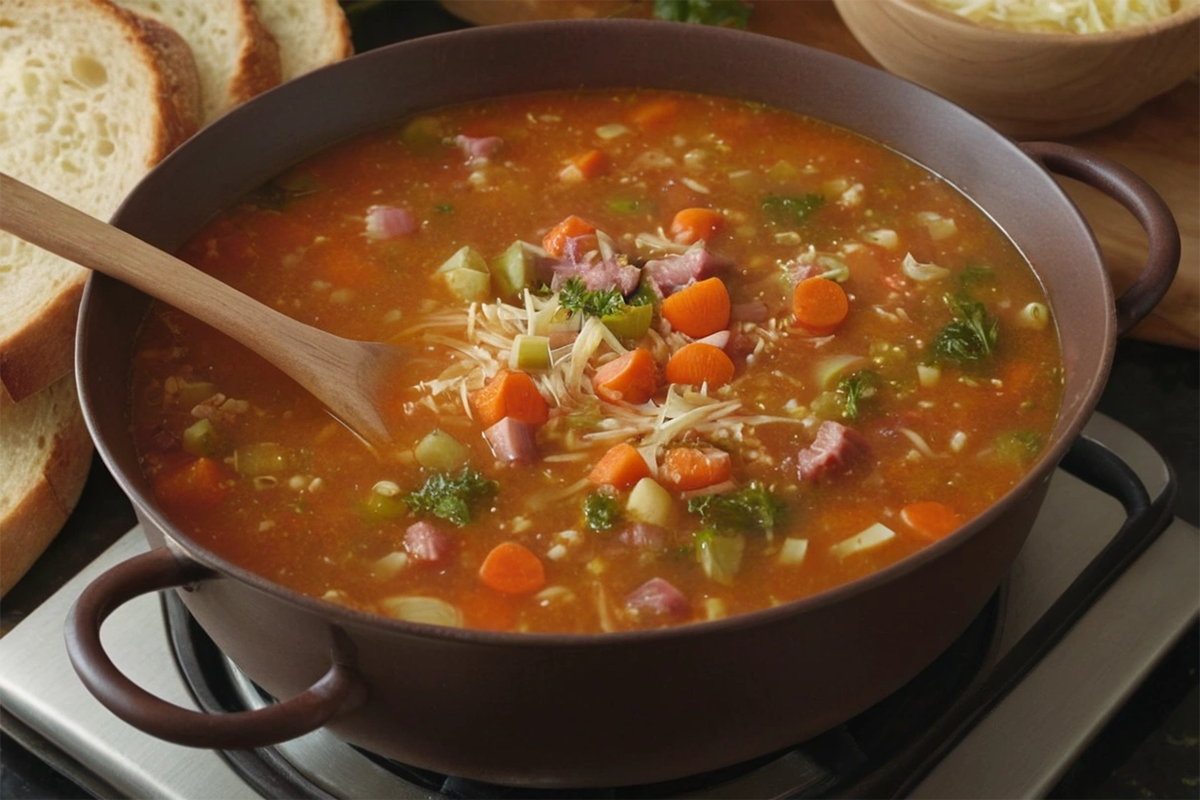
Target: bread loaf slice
235, 54
46, 455
91, 96
310, 33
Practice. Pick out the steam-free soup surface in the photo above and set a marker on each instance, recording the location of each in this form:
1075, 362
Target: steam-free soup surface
669, 358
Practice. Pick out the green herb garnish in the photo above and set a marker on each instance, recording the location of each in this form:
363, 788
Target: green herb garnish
578, 299
704, 12
451, 497
971, 337
786, 209
601, 511
1021, 445
752, 509
444, 208
974, 274
855, 388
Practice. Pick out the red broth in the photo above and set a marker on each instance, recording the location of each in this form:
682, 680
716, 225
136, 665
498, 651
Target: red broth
767, 357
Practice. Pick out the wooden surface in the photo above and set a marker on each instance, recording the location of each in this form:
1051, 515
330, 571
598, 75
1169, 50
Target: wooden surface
1160, 141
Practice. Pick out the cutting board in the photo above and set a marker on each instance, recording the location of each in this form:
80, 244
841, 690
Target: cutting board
1160, 142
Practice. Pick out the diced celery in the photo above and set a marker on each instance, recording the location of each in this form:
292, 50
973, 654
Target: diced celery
468, 285
873, 536
720, 556
441, 451
263, 458
830, 370
714, 608
631, 323
382, 507
193, 392
467, 258
649, 502
530, 352
793, 551
624, 205
512, 270
202, 439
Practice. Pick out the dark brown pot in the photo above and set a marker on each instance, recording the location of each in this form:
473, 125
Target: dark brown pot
606, 709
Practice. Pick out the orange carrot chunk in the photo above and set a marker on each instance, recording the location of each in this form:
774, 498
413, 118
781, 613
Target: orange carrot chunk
820, 305
622, 467
687, 468
586, 166
197, 485
555, 242
512, 569
700, 309
700, 362
693, 224
510, 394
632, 378
931, 519
655, 112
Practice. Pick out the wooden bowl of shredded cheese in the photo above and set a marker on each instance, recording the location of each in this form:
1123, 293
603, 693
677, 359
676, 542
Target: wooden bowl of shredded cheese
1034, 68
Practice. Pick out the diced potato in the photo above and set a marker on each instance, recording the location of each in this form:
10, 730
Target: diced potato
512, 270
465, 258
441, 451
468, 285
793, 551
202, 439
720, 556
649, 502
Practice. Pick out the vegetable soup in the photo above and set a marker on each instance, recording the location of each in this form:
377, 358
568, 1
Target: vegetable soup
669, 357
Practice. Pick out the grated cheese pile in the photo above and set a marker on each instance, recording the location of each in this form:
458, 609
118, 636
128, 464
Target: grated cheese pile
1063, 16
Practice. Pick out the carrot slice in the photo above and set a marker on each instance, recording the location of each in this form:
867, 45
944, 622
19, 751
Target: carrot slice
688, 468
622, 467
700, 309
655, 112
632, 378
586, 166
931, 519
197, 485
700, 362
512, 569
510, 394
693, 224
555, 242
820, 305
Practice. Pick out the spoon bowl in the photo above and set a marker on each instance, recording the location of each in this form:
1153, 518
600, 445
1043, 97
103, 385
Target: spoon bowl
350, 377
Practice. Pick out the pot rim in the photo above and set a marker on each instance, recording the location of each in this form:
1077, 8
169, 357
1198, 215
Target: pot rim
1061, 437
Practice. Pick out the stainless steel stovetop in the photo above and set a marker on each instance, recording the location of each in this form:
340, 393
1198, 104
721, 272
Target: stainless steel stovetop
1089, 663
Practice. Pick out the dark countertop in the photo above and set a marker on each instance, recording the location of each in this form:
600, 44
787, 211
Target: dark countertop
1151, 749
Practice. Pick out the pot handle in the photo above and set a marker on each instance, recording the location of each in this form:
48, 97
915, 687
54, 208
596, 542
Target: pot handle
161, 569
1139, 199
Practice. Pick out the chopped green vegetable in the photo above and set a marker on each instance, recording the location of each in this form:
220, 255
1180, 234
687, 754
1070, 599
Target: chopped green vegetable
704, 12
971, 337
720, 556
643, 296
577, 299
451, 497
265, 458
752, 509
444, 208
441, 451
192, 392
855, 388
974, 274
789, 210
423, 135
1022, 445
202, 439
624, 205
383, 508
631, 322
601, 511
530, 352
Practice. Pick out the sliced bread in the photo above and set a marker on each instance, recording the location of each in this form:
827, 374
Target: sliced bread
310, 33
92, 97
46, 454
235, 54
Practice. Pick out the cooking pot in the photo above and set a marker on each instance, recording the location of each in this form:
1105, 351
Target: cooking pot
607, 709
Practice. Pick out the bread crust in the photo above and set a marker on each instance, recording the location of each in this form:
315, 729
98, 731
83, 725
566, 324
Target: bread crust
258, 68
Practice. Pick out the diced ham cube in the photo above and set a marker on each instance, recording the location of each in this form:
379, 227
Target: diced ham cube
424, 542
644, 536
658, 598
612, 273
673, 272
835, 450
512, 441
478, 147
389, 222
752, 311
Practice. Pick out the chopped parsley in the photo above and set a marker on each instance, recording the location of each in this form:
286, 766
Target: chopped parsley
751, 509
855, 388
971, 337
451, 497
790, 210
444, 208
601, 511
578, 299
704, 12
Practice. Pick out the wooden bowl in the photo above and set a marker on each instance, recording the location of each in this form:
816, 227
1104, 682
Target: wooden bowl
1028, 84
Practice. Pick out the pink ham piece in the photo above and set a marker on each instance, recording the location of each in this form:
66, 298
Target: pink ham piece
669, 274
835, 450
512, 441
657, 597
644, 536
389, 222
478, 147
424, 542
752, 311
613, 273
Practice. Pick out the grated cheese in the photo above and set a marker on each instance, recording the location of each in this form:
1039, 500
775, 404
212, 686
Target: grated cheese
1063, 16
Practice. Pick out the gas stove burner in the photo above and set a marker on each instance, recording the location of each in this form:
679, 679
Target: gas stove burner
867, 745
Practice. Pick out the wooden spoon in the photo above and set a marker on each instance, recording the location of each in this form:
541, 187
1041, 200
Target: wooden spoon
348, 376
